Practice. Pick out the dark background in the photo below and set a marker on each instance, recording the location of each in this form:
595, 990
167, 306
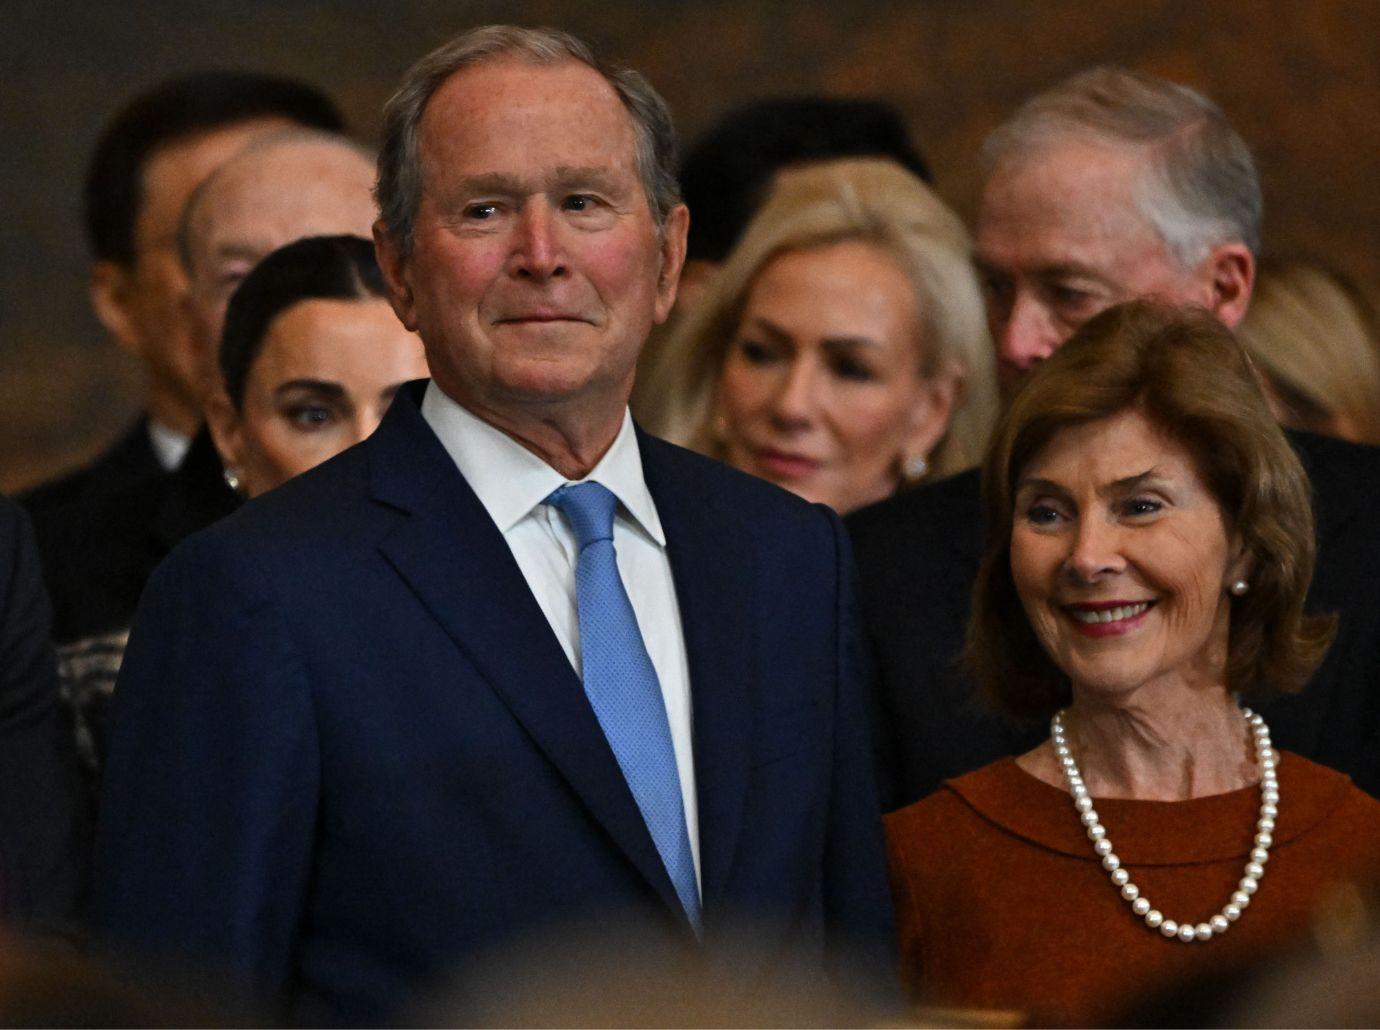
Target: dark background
1300, 80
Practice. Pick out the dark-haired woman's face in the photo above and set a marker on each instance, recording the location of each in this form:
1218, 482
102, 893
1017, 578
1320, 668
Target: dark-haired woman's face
1122, 559
323, 380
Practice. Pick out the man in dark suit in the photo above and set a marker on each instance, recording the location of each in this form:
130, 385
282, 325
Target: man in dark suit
508, 666
45, 817
99, 552
1110, 186
148, 161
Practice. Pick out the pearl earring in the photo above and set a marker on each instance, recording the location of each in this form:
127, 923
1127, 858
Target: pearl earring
915, 467
232, 479
1239, 587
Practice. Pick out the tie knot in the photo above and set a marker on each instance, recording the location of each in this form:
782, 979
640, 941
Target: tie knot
589, 507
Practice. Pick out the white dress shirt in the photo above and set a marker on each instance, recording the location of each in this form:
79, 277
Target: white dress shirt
169, 446
511, 482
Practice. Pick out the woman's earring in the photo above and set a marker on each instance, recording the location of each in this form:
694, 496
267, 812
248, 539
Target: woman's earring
914, 467
232, 479
1239, 588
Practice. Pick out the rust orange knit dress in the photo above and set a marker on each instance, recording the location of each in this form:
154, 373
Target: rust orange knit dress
1002, 904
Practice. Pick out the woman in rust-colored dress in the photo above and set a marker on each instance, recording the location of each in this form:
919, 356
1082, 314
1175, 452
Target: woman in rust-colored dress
1150, 543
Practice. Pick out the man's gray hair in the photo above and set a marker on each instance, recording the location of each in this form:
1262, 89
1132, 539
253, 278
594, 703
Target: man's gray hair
399, 189
295, 136
1200, 187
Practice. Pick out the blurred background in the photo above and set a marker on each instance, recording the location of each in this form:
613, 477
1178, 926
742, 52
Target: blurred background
1299, 80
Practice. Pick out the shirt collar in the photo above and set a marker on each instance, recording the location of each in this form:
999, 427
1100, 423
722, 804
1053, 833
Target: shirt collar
510, 480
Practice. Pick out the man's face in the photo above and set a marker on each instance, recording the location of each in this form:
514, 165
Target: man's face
1060, 239
265, 199
537, 269
149, 292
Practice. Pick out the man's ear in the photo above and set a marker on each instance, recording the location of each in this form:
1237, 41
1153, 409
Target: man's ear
673, 237
1230, 268
394, 268
110, 289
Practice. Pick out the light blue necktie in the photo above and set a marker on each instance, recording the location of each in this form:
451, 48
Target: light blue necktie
622, 686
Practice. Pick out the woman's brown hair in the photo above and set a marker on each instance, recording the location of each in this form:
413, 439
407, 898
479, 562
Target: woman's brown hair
1186, 372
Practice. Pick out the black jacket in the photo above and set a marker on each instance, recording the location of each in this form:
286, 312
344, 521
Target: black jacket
128, 459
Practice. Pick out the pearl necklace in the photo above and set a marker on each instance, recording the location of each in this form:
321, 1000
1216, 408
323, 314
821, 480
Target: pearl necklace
1266, 759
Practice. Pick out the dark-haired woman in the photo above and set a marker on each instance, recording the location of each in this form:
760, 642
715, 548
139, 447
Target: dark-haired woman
1149, 547
311, 356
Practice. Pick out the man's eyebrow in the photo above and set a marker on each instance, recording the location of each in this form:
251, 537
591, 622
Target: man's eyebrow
490, 182
561, 177
587, 175
1070, 270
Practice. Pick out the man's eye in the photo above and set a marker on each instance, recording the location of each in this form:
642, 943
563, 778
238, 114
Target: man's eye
994, 287
579, 202
1073, 302
479, 212
229, 282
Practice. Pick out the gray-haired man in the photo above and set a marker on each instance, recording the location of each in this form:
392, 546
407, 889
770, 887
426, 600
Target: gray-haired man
509, 665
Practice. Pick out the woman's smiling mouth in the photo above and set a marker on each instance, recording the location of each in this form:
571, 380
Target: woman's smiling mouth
1107, 618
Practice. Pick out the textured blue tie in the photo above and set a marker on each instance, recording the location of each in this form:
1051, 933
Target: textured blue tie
622, 686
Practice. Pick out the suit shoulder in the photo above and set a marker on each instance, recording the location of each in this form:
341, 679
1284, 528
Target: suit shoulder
752, 494
314, 505
952, 502
1337, 465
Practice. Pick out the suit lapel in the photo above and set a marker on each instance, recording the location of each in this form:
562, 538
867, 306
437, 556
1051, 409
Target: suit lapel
714, 589
456, 561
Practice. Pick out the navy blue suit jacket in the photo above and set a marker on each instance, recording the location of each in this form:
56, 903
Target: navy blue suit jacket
348, 752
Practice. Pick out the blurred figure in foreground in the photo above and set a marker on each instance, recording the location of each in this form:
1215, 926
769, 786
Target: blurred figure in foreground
149, 159
1313, 338
310, 357
1110, 186
1149, 546
841, 352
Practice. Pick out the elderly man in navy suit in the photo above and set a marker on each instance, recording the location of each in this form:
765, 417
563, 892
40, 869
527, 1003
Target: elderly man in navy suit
510, 665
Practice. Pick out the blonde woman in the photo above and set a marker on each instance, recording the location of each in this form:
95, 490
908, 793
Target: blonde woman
1312, 337
842, 351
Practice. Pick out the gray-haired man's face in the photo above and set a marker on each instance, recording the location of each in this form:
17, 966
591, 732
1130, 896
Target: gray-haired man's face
1059, 239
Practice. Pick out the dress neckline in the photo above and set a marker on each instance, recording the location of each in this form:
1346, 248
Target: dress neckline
1216, 828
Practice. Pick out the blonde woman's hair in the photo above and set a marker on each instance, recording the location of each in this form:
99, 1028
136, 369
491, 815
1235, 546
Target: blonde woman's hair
1312, 335
870, 200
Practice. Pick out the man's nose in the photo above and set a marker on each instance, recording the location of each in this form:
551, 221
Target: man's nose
537, 252
1025, 333
793, 403
1095, 550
